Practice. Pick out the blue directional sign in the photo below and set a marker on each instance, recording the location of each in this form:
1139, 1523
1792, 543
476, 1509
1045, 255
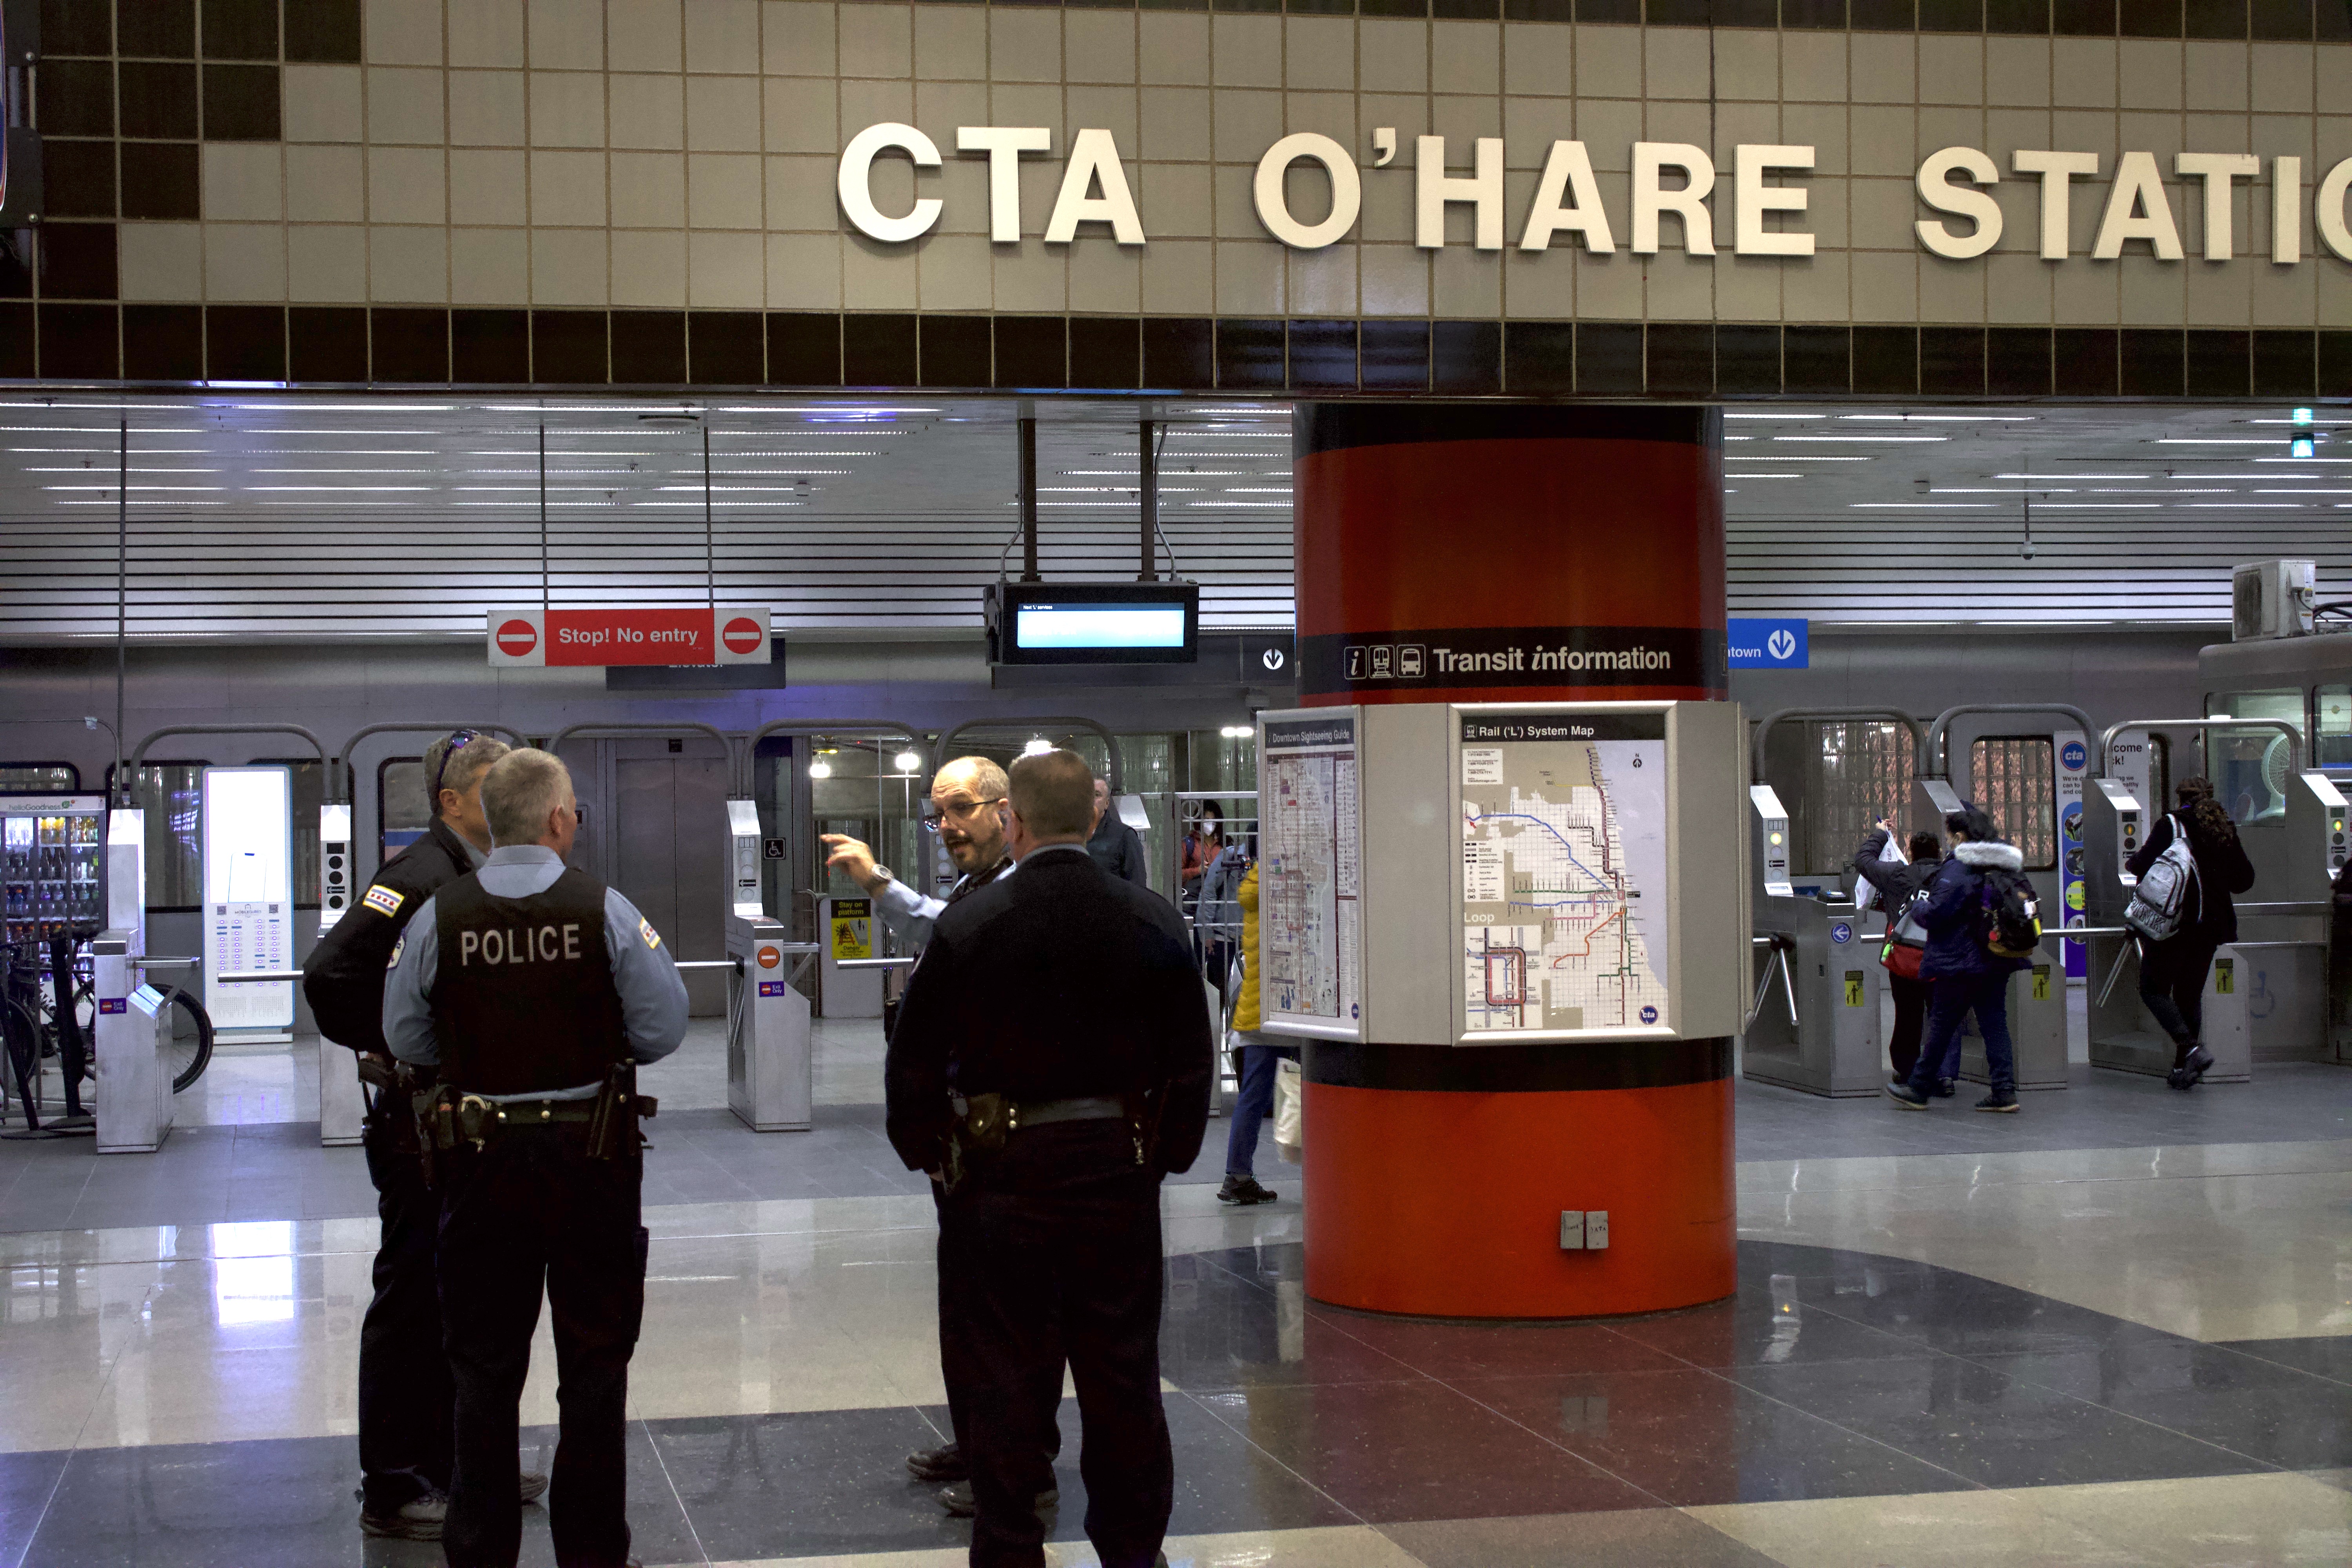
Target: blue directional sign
1762, 644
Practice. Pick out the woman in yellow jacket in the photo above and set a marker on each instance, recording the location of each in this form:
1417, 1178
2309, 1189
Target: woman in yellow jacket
1259, 1053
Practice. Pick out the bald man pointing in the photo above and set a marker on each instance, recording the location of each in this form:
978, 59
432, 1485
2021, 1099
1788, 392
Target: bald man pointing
967, 810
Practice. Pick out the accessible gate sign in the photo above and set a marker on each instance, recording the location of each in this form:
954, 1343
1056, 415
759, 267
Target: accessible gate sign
689, 634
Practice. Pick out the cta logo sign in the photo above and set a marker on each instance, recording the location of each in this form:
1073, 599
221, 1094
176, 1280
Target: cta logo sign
685, 635
1769, 644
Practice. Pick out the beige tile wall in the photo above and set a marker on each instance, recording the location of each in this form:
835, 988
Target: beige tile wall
681, 153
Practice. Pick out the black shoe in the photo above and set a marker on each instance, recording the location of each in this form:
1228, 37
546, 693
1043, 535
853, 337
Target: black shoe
2179, 1078
1244, 1190
1903, 1095
2200, 1063
418, 1520
534, 1486
1947, 1087
1999, 1099
960, 1504
944, 1463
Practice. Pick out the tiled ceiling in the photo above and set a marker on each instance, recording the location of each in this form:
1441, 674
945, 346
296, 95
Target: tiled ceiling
269, 513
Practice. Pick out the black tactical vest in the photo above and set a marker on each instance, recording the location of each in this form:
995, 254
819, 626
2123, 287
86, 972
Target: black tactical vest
523, 1000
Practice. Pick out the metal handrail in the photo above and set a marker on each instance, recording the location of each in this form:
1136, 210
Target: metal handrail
726, 741
1764, 727
2294, 736
139, 752
1933, 749
403, 726
1052, 720
814, 727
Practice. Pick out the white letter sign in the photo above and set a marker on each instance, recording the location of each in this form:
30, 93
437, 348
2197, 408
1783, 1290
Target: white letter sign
857, 194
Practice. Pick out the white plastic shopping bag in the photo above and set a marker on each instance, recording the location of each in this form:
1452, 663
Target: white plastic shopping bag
1287, 1117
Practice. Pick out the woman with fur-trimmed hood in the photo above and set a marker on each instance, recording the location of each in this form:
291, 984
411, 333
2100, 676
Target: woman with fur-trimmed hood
1965, 976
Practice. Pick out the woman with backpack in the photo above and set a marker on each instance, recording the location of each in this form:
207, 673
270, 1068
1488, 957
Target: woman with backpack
1963, 917
2172, 969
1899, 883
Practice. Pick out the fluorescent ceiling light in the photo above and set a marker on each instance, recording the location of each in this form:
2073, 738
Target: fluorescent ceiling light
1763, 475
2222, 440
1901, 440
1917, 505
2073, 476
1949, 418
1776, 416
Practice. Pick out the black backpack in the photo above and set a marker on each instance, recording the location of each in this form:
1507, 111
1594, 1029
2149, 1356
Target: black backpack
2012, 927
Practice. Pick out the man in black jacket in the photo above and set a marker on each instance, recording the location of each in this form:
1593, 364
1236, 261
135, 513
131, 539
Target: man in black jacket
405, 1407
1050, 1066
1116, 847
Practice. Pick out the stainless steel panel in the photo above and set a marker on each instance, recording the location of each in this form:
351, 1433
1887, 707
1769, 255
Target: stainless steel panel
1835, 1047
668, 834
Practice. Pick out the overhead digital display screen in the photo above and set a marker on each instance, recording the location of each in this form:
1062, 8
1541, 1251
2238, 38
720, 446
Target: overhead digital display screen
1095, 623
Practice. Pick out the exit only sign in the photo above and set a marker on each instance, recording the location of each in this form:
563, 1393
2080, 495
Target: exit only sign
688, 635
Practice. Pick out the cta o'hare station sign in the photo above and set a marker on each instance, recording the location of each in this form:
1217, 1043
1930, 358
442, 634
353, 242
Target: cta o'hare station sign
1671, 186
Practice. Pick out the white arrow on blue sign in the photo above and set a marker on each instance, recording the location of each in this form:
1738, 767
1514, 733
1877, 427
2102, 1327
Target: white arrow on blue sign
1755, 643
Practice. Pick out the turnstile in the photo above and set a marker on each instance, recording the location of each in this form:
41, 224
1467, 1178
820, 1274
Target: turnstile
770, 1068
1813, 1020
134, 1020
2267, 997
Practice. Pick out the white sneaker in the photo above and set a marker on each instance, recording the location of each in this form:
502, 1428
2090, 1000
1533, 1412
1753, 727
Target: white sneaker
420, 1520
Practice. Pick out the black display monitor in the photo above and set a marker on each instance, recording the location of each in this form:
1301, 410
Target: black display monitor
1095, 623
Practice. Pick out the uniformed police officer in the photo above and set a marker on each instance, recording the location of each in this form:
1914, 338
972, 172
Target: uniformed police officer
1051, 1064
532, 989
405, 1398
966, 812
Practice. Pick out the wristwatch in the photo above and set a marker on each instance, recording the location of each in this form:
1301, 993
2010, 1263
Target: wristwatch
881, 873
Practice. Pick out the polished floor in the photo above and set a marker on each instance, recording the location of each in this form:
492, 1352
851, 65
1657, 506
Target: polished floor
2115, 1329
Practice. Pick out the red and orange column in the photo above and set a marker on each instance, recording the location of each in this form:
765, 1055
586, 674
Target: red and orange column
1435, 1175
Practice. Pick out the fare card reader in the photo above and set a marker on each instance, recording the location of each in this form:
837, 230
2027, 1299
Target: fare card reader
1814, 1024
2037, 994
771, 1083
334, 865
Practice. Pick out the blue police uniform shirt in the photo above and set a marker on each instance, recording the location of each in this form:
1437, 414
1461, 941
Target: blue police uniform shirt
653, 996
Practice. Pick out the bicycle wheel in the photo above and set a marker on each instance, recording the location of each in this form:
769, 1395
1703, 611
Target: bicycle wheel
191, 1041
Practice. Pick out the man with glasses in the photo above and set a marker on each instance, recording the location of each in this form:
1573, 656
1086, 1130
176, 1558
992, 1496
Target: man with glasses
967, 811
406, 1420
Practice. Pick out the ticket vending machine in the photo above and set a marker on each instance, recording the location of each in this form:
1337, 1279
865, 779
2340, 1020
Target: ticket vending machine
1813, 1016
2037, 994
248, 924
770, 1070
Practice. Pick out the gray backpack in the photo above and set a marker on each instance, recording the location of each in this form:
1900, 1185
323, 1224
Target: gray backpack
2163, 893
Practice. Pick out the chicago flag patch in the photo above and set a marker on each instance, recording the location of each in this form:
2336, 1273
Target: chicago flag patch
382, 900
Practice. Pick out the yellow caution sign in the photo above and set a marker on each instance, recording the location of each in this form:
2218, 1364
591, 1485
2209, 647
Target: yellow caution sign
2225, 977
2042, 983
853, 929
1854, 987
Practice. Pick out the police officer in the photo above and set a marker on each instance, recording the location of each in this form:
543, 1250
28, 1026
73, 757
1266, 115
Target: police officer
1051, 1064
404, 1411
533, 989
966, 812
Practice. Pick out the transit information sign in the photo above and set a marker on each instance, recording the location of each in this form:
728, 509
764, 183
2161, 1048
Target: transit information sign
1564, 925
1310, 931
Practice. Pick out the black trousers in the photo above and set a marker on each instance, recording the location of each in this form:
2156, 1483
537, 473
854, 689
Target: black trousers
2172, 984
407, 1424
1051, 1255
1910, 1017
531, 1212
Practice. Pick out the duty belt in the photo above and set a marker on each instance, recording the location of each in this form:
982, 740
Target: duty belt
983, 1122
449, 1119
